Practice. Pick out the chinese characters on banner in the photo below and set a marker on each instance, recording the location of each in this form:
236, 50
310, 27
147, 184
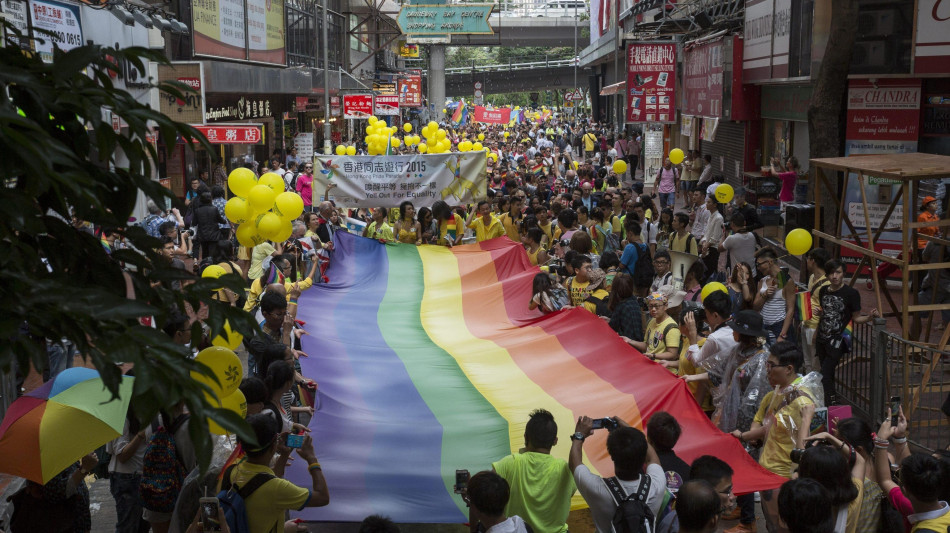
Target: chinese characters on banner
702, 80
410, 90
232, 134
357, 105
492, 116
387, 105
219, 29
651, 82
63, 23
386, 181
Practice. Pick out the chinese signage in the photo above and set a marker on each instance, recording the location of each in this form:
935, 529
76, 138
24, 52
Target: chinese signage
384, 87
357, 105
303, 142
766, 38
223, 108
410, 90
445, 19
492, 116
229, 134
702, 80
932, 46
408, 50
387, 105
651, 82
63, 23
192, 107
219, 29
386, 181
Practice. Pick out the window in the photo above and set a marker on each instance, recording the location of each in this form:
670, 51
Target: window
358, 38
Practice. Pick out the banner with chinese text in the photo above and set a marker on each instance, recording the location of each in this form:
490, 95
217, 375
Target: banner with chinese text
410, 90
651, 82
492, 116
386, 181
357, 105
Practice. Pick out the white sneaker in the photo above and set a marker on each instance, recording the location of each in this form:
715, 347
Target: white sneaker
757, 497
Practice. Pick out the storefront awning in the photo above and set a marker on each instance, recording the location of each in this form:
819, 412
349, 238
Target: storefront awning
616, 88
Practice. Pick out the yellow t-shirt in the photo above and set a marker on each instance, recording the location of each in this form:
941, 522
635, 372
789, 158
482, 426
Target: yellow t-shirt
687, 368
657, 341
687, 244
548, 234
266, 506
578, 291
541, 489
813, 286
384, 232
453, 230
511, 227
783, 430
258, 254
483, 233
589, 140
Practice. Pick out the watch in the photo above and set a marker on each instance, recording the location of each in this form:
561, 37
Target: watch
578, 436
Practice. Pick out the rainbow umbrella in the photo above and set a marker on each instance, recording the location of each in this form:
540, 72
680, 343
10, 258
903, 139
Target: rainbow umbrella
53, 426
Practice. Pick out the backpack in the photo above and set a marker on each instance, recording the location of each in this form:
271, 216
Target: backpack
643, 272
162, 471
611, 241
232, 499
633, 515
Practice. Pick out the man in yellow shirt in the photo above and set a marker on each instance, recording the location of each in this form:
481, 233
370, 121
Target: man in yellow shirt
512, 219
662, 338
590, 138
815, 261
485, 225
273, 496
586, 286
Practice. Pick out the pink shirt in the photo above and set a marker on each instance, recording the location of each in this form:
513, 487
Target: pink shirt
305, 188
902, 504
789, 179
667, 180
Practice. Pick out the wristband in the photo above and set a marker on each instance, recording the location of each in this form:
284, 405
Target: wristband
879, 446
901, 440
314, 466
293, 301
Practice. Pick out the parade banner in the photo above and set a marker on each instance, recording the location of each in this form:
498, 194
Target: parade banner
386, 181
651, 82
492, 116
430, 361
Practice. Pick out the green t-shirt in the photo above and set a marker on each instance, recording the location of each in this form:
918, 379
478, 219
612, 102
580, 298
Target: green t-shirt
541, 489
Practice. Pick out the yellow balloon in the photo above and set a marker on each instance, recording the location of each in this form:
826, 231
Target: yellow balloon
493, 156
432, 125
241, 180
237, 210
235, 402
620, 166
213, 272
340, 149
507, 134
268, 225
350, 150
440, 134
230, 339
576, 165
286, 230
372, 120
798, 241
481, 136
712, 287
477, 147
395, 142
261, 197
224, 365
407, 127
275, 182
724, 193
423, 148
676, 156
288, 205
247, 234
444, 111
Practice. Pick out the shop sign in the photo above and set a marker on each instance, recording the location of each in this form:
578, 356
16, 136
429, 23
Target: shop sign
245, 107
191, 108
16, 14
702, 80
384, 87
387, 105
651, 82
219, 30
410, 90
766, 39
786, 102
408, 50
63, 23
357, 105
932, 45
231, 134
303, 142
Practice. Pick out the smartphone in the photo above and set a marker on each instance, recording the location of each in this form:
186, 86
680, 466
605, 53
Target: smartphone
461, 480
295, 440
209, 514
895, 405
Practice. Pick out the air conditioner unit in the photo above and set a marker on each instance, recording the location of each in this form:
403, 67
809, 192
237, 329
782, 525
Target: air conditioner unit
875, 23
869, 54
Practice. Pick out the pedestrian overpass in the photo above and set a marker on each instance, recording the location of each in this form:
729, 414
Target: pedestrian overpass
513, 77
513, 28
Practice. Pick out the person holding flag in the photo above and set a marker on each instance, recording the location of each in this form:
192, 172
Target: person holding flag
451, 226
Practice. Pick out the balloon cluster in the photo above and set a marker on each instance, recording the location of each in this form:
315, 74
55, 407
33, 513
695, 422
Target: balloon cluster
261, 208
437, 141
226, 367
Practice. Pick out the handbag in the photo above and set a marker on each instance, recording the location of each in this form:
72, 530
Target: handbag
33, 513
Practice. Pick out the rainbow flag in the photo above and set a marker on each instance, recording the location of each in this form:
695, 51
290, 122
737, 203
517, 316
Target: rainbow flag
803, 305
460, 114
430, 361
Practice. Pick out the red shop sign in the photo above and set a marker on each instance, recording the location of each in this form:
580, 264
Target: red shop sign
226, 134
651, 82
357, 105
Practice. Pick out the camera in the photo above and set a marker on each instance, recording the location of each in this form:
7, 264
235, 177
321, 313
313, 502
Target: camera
604, 423
798, 453
295, 440
461, 481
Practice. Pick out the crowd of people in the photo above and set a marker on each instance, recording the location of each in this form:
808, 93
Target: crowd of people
607, 244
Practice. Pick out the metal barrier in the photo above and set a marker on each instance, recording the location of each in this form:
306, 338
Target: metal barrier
881, 365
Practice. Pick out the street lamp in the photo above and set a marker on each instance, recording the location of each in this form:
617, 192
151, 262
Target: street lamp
326, 82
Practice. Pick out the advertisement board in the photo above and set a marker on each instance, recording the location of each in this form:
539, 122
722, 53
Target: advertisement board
492, 116
191, 109
219, 30
357, 105
766, 39
932, 43
233, 134
386, 181
387, 105
702, 80
651, 82
61, 20
410, 90
15, 12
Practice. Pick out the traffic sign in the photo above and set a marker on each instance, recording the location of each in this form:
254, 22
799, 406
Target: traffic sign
573, 96
433, 19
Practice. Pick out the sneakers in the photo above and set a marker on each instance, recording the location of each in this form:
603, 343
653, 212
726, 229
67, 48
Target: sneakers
741, 528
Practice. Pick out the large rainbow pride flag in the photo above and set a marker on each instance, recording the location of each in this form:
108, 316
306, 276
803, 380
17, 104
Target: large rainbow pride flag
428, 360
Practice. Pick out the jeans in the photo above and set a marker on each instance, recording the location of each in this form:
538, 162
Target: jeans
128, 505
808, 350
667, 199
774, 330
61, 355
927, 297
829, 356
746, 504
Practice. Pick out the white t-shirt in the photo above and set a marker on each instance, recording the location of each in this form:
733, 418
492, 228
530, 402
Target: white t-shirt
648, 232
514, 524
601, 501
741, 248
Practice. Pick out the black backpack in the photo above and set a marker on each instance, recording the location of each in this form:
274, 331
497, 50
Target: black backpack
633, 515
643, 272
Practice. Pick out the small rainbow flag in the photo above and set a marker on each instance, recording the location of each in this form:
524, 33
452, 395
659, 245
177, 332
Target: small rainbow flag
848, 332
450, 229
460, 114
273, 275
803, 303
